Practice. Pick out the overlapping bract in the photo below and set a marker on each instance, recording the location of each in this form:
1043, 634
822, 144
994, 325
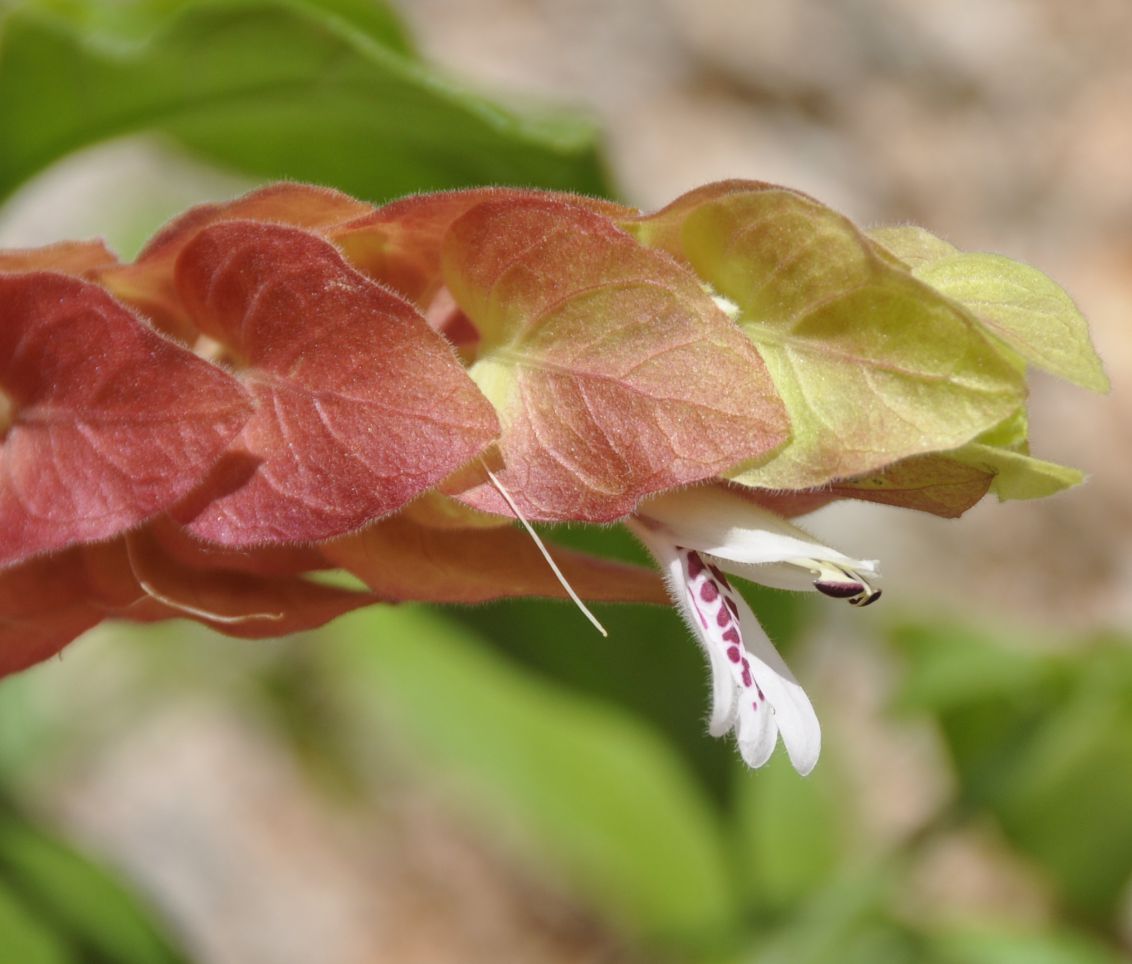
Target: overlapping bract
296, 381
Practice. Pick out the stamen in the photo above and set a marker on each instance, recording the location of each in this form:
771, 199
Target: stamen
545, 554
842, 583
839, 590
865, 599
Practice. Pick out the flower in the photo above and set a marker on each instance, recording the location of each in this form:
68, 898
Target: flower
695, 535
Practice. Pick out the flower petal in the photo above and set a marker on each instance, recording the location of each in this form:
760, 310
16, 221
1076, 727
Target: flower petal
725, 690
753, 690
792, 711
757, 544
722, 523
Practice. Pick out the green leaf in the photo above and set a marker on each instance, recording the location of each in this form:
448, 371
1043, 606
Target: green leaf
995, 943
25, 939
1023, 307
280, 89
113, 25
846, 922
1041, 741
586, 789
790, 832
874, 365
1068, 801
83, 901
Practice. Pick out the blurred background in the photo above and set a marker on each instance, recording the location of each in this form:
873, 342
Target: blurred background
500, 784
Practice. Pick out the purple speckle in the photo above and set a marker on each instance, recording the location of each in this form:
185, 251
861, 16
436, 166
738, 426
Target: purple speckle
734, 655
723, 617
718, 573
732, 606
695, 565
732, 636
709, 591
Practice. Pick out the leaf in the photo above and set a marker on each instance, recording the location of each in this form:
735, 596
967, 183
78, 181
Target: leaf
994, 942
1023, 307
846, 922
360, 407
874, 365
580, 788
403, 560
147, 284
1041, 741
111, 424
1067, 801
614, 374
306, 91
789, 834
25, 939
99, 918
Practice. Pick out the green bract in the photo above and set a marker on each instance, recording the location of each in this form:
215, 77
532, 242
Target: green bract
886, 348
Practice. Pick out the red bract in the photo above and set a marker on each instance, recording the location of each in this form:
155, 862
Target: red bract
44, 605
157, 573
110, 423
402, 560
401, 244
227, 597
615, 374
148, 285
360, 406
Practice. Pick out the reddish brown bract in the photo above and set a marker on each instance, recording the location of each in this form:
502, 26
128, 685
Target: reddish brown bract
360, 406
110, 423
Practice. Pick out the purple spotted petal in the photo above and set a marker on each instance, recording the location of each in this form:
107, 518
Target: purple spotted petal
752, 689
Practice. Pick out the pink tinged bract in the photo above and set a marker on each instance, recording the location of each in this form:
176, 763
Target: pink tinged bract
401, 244
109, 422
148, 282
614, 372
360, 406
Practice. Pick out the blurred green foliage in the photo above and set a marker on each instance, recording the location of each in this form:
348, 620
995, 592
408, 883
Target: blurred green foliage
587, 757
1042, 741
325, 92
58, 907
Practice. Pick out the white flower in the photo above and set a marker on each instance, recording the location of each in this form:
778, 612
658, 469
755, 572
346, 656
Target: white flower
695, 534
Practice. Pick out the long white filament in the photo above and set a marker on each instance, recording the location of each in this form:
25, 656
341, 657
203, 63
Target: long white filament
545, 554
154, 593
